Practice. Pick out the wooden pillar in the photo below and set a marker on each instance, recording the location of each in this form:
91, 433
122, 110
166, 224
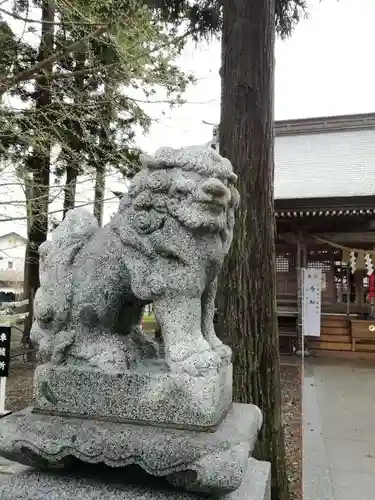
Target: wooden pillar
348, 287
358, 284
304, 254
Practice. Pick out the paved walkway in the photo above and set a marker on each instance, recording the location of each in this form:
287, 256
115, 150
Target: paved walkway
339, 430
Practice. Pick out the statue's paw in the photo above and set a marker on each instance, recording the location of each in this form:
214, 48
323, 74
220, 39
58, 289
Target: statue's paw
225, 352
207, 361
116, 364
146, 346
197, 364
222, 350
106, 355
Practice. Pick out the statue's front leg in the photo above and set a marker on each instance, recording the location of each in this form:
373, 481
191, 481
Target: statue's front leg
185, 348
208, 329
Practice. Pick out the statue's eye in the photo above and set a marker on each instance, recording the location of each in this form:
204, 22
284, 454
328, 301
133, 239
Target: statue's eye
180, 191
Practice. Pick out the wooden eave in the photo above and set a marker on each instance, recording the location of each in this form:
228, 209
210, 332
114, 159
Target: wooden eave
321, 207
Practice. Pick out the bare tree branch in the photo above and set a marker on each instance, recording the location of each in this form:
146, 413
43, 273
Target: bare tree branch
29, 73
72, 74
10, 219
56, 23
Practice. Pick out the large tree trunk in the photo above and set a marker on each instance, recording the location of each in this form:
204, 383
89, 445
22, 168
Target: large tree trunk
70, 189
99, 191
247, 303
37, 232
73, 168
38, 164
26, 181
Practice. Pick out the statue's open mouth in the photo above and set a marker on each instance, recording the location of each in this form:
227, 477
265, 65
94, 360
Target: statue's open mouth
217, 205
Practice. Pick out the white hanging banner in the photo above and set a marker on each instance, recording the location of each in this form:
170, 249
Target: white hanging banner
311, 302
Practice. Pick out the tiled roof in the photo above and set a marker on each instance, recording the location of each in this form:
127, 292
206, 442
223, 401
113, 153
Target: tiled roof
323, 165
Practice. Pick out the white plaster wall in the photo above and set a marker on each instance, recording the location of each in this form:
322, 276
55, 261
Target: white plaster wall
12, 249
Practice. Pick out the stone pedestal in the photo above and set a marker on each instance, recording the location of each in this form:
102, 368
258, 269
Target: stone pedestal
153, 396
195, 461
33, 485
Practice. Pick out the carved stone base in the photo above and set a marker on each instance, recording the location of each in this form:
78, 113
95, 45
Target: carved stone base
152, 396
256, 485
196, 461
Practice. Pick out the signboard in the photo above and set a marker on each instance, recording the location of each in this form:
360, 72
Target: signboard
5, 332
311, 302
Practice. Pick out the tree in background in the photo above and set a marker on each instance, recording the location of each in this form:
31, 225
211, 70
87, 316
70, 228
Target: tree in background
73, 82
247, 295
247, 291
247, 307
102, 96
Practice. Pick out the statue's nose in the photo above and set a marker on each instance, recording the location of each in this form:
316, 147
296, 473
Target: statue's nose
215, 188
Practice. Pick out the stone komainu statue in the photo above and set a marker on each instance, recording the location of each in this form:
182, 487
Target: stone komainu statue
165, 245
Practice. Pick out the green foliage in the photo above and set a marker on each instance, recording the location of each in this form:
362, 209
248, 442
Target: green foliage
200, 18
204, 17
97, 91
288, 14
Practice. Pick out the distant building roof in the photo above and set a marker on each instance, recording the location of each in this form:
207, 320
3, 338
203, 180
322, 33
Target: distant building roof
12, 233
325, 157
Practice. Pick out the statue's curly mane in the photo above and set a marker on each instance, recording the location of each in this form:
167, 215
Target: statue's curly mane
150, 194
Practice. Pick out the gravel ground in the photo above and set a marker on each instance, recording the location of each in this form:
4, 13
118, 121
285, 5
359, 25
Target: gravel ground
291, 385
19, 385
19, 395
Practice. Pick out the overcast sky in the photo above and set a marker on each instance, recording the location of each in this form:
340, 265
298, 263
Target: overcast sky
325, 68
